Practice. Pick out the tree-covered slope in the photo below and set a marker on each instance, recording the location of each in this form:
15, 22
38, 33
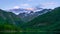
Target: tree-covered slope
9, 20
48, 21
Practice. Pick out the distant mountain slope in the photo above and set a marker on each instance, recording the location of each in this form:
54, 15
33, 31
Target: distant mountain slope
29, 16
48, 21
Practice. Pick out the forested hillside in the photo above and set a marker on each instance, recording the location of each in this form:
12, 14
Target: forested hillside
47, 22
9, 21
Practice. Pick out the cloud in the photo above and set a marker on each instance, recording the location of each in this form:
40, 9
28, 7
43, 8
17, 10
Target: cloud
49, 5
30, 9
25, 5
16, 7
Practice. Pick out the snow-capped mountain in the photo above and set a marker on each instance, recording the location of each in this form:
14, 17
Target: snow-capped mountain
27, 10
20, 10
29, 14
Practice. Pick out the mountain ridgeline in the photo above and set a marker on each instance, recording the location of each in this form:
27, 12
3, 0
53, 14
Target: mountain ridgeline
49, 21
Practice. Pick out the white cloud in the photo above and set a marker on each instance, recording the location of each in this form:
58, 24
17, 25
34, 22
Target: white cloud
16, 7
49, 4
30, 9
25, 5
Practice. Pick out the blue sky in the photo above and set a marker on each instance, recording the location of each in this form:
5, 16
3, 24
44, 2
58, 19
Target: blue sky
9, 4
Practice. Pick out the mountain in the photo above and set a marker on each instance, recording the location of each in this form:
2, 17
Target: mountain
47, 22
26, 10
19, 10
29, 16
9, 20
11, 17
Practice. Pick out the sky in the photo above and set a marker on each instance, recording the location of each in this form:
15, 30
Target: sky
10, 4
